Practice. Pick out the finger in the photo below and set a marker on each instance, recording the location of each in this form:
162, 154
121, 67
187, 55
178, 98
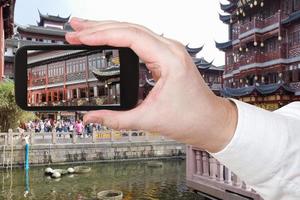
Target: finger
148, 48
114, 119
93, 26
79, 24
72, 38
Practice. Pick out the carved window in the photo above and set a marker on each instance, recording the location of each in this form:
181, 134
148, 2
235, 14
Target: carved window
294, 38
271, 45
296, 5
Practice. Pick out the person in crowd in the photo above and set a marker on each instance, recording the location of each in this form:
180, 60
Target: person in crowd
79, 128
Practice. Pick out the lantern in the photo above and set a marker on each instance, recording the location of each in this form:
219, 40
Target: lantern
279, 38
241, 49
255, 3
255, 43
251, 5
244, 14
280, 75
262, 4
262, 44
247, 49
255, 78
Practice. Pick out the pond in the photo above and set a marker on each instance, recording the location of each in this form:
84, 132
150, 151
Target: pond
135, 179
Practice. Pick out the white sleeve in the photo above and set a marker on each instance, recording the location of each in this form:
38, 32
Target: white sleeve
265, 150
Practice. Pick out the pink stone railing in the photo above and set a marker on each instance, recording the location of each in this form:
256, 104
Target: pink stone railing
205, 170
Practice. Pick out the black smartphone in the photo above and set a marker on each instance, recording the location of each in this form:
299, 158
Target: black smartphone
76, 78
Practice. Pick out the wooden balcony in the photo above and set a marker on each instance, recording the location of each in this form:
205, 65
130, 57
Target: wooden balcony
252, 57
208, 176
258, 23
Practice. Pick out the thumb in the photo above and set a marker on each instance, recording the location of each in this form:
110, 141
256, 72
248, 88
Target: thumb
114, 119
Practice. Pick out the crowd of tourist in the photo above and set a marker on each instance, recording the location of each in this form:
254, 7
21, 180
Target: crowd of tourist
61, 126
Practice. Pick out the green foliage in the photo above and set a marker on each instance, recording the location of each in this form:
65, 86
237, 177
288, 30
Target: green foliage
10, 114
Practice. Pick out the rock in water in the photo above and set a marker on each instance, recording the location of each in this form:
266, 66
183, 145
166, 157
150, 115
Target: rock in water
56, 174
71, 170
48, 171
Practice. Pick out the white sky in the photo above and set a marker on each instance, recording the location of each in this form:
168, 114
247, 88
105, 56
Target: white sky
190, 21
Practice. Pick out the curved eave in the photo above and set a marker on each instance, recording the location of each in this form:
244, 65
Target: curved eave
203, 65
292, 18
262, 89
224, 18
193, 51
53, 18
42, 30
223, 45
107, 75
228, 7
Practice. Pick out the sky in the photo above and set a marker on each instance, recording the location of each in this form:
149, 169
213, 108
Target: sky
193, 22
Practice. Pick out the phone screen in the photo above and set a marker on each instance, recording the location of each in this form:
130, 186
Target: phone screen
86, 77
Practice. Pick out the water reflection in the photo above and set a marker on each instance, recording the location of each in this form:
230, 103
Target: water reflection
135, 179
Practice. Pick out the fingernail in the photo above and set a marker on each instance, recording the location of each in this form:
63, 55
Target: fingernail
78, 19
71, 34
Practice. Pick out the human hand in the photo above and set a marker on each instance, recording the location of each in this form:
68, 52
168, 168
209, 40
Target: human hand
180, 105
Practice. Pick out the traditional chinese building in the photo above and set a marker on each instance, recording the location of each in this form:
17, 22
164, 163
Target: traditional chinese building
49, 29
73, 78
211, 74
6, 28
262, 54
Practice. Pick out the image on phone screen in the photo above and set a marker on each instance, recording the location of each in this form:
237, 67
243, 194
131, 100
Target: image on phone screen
73, 77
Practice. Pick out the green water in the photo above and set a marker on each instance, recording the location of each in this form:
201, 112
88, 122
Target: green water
135, 179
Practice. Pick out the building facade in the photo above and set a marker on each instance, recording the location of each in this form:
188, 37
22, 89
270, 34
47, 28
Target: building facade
262, 55
6, 29
73, 78
49, 29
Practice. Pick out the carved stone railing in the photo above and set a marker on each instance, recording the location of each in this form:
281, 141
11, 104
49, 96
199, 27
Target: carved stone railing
104, 136
205, 173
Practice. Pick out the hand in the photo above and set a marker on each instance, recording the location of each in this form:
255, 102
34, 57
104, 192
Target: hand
180, 106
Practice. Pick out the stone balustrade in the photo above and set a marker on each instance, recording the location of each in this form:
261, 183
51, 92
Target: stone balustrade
72, 138
208, 175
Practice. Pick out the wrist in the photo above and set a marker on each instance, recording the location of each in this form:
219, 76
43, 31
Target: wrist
226, 117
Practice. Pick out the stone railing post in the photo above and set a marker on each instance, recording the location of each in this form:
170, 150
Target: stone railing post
212, 167
31, 135
112, 139
94, 136
220, 172
205, 164
129, 136
235, 180
199, 164
6, 139
74, 137
53, 137
10, 137
227, 176
146, 136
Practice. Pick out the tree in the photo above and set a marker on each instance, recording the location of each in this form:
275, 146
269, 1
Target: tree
10, 114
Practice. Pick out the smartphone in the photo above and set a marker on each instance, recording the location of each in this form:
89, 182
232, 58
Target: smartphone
76, 78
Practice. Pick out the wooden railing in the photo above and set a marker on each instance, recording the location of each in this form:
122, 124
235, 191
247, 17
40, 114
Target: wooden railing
203, 170
73, 138
259, 23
